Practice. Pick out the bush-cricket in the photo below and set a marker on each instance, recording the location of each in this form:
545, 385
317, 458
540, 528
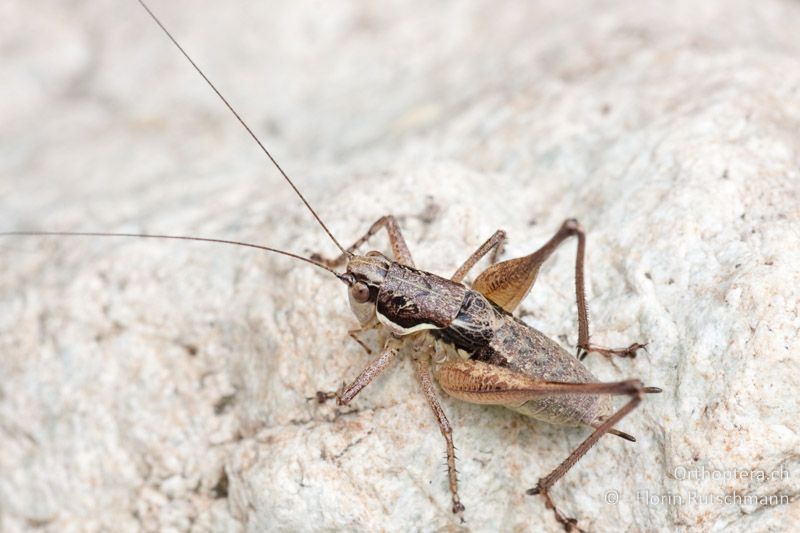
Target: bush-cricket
466, 338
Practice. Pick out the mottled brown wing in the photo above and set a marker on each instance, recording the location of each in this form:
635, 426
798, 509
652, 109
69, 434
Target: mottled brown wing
507, 283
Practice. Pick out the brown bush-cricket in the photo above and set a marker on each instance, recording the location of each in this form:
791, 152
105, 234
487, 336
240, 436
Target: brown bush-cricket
467, 339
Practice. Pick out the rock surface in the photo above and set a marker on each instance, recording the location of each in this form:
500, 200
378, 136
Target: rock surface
162, 386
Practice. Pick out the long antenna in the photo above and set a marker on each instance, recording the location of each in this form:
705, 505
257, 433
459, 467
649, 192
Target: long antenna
176, 237
244, 124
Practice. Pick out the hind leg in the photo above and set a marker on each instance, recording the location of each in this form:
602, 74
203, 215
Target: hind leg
507, 283
482, 383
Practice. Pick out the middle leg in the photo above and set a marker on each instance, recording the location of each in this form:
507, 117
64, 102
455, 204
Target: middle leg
422, 366
494, 244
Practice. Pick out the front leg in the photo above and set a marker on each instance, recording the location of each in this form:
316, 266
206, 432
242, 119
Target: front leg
399, 247
372, 371
354, 334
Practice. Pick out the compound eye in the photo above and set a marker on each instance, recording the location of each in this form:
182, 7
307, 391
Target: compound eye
360, 292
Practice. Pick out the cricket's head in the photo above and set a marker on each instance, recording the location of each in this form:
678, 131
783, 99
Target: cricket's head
364, 276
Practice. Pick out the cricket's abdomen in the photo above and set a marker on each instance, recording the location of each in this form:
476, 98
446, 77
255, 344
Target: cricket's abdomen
490, 335
521, 348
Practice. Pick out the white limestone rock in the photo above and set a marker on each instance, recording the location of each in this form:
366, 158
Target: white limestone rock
162, 386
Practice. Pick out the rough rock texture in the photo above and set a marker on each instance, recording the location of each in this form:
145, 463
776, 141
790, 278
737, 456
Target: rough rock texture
162, 385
